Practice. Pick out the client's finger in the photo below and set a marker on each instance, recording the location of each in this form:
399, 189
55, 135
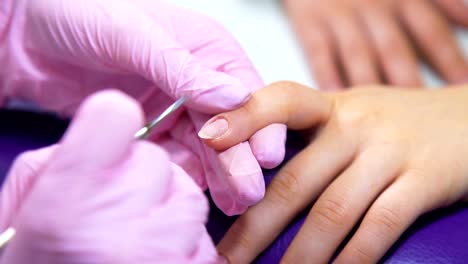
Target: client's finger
318, 43
295, 186
289, 103
433, 35
456, 10
319, 47
342, 204
390, 215
355, 51
396, 56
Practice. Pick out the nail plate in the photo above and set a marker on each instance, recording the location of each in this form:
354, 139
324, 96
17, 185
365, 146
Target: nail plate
214, 129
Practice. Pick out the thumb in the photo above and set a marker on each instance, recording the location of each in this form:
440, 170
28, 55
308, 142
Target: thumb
101, 132
288, 103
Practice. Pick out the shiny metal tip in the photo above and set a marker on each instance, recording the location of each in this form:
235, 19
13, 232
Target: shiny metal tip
6, 236
142, 133
146, 130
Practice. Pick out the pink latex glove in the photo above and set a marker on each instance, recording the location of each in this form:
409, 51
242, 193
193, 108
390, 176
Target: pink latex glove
56, 52
100, 197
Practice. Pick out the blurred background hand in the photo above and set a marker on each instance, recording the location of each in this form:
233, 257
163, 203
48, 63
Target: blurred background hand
357, 42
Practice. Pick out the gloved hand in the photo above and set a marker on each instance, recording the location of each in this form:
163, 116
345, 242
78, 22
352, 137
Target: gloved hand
56, 52
100, 197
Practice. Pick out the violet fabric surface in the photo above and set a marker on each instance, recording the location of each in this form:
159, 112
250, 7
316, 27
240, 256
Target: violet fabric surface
438, 237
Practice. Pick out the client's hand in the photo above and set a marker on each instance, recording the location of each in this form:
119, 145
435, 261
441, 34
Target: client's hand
355, 42
383, 156
99, 196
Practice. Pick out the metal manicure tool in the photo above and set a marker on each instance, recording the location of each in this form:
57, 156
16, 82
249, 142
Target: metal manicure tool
146, 130
6, 236
141, 134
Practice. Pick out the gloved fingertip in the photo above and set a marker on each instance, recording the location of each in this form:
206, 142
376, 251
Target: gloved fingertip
236, 209
269, 145
214, 92
223, 200
252, 190
115, 102
108, 112
270, 159
244, 178
102, 129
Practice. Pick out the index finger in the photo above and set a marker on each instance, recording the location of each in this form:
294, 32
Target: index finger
285, 102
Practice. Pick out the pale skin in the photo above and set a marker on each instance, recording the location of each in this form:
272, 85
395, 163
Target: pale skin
385, 156
359, 42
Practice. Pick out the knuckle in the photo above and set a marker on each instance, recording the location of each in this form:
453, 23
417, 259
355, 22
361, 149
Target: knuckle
329, 213
354, 118
287, 87
289, 90
446, 191
284, 188
250, 108
24, 161
23, 158
358, 108
361, 255
239, 232
387, 220
451, 187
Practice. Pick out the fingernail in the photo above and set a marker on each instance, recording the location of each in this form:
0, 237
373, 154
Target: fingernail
214, 128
